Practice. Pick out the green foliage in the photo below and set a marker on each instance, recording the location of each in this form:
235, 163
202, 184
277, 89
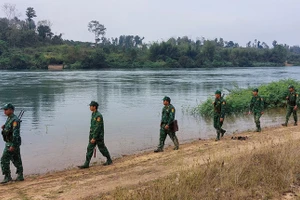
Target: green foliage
37, 47
238, 99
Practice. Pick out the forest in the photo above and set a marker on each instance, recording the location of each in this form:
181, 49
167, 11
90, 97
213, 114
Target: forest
27, 44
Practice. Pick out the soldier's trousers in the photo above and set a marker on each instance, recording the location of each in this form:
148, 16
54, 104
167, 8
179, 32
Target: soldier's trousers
163, 136
289, 111
15, 157
217, 124
90, 150
257, 116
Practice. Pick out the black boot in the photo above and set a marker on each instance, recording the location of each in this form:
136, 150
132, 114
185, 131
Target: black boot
84, 166
284, 124
218, 136
295, 124
7, 178
223, 132
108, 161
20, 177
158, 150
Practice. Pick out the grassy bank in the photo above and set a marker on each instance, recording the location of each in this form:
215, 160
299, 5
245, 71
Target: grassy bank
238, 99
264, 174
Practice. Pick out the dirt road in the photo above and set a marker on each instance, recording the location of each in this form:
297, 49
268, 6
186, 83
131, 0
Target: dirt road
136, 169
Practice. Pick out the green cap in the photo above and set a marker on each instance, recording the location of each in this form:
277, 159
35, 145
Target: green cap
291, 86
167, 99
218, 92
93, 103
8, 106
255, 90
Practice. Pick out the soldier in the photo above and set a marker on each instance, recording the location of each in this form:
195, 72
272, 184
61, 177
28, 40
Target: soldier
96, 137
219, 114
11, 135
292, 105
167, 119
256, 107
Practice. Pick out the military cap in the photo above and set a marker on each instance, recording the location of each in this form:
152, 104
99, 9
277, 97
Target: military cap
291, 86
167, 99
255, 90
93, 103
218, 92
8, 106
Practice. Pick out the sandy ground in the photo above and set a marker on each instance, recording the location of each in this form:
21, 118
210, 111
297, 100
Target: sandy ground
133, 170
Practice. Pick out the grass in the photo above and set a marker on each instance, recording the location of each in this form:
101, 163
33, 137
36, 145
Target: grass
238, 99
262, 174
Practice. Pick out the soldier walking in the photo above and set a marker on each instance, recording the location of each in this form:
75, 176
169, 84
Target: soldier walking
292, 105
96, 137
256, 107
12, 138
219, 114
167, 120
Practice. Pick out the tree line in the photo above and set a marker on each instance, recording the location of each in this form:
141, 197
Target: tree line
26, 44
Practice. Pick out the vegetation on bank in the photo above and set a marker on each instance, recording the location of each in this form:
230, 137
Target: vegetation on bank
238, 99
25, 44
265, 174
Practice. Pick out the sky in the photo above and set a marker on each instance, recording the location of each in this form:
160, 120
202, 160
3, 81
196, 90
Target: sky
156, 20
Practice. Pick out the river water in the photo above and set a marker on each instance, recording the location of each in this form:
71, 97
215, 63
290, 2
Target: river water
55, 125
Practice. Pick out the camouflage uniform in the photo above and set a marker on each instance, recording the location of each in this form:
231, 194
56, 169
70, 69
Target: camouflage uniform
219, 112
97, 133
292, 101
167, 118
257, 107
13, 139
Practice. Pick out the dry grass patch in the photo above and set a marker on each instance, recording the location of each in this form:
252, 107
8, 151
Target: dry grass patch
267, 173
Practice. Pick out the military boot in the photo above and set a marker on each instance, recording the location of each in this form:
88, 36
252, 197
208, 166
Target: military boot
158, 150
223, 132
295, 124
284, 124
7, 178
176, 143
218, 136
84, 166
258, 129
108, 162
20, 177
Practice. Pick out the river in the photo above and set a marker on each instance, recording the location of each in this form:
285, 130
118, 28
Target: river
55, 125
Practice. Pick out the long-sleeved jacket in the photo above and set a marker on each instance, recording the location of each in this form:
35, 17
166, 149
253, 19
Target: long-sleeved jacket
293, 99
256, 104
12, 131
168, 114
97, 126
220, 107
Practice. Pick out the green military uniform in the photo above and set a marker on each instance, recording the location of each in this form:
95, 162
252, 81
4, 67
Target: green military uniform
167, 118
96, 133
219, 112
257, 107
292, 101
11, 135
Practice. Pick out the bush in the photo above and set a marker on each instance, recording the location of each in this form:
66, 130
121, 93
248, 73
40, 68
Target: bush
238, 99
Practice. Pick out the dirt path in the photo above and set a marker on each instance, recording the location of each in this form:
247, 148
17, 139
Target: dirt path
135, 169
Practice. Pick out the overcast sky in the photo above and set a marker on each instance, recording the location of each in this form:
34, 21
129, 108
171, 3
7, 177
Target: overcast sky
156, 20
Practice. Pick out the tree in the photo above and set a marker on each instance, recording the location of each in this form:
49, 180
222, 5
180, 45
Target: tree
10, 11
45, 23
96, 28
30, 13
44, 31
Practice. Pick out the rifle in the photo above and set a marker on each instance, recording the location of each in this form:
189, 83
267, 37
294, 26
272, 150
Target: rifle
7, 135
